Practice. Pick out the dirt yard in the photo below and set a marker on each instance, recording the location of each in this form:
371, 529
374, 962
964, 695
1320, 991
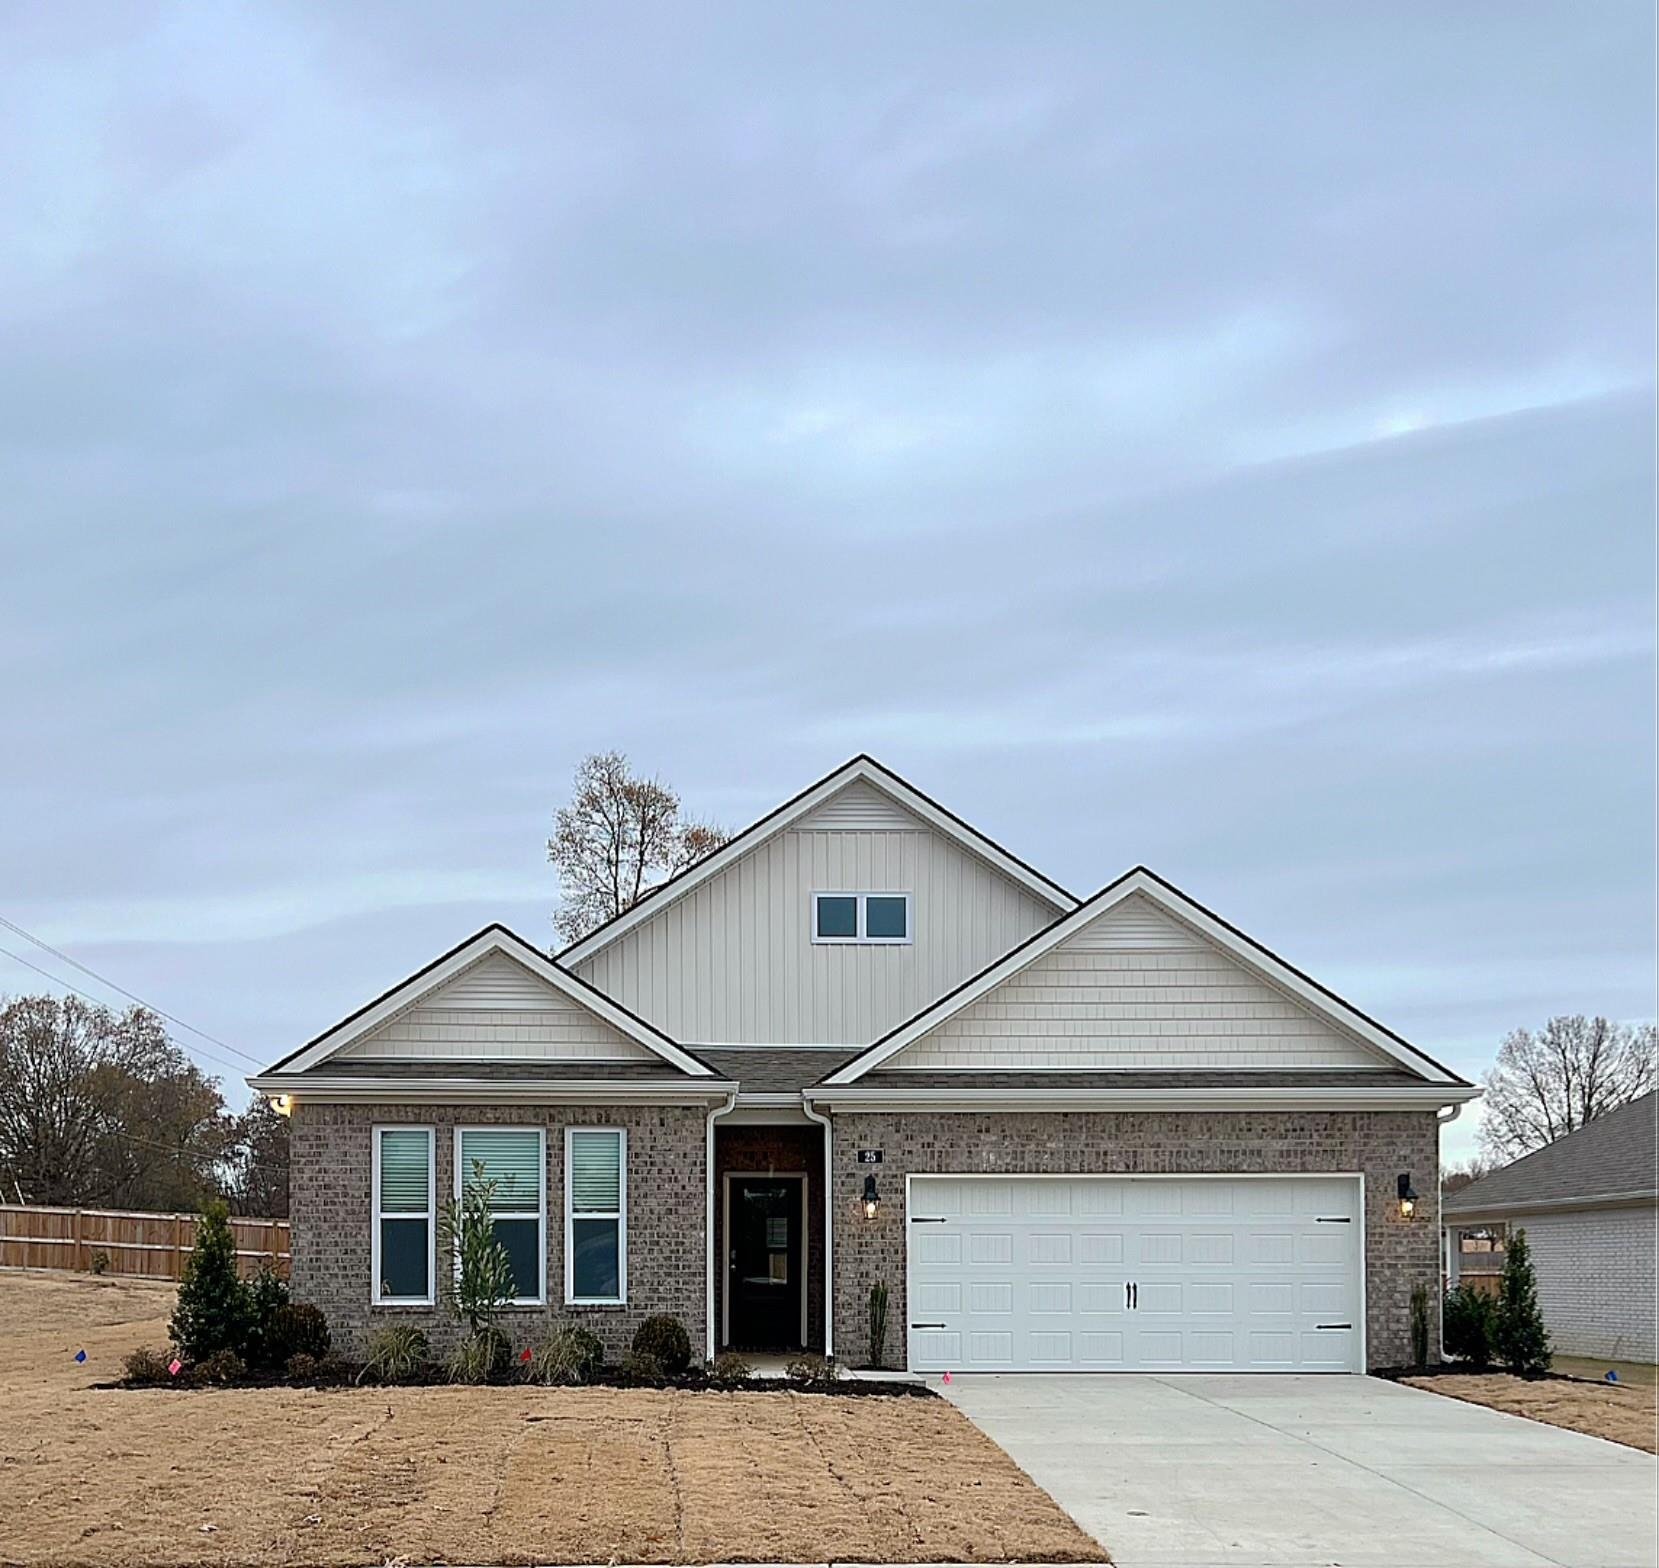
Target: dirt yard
1625, 1413
124, 1478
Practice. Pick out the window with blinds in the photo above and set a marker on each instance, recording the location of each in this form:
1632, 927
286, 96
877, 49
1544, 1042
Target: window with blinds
596, 1206
510, 1162
403, 1216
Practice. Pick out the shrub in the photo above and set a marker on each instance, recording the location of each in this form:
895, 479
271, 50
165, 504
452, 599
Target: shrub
267, 1297
1466, 1326
567, 1354
641, 1366
878, 1323
480, 1286
810, 1367
394, 1354
147, 1366
297, 1329
223, 1366
480, 1355
729, 1367
1519, 1336
1419, 1325
665, 1340
214, 1309
305, 1368
98, 1263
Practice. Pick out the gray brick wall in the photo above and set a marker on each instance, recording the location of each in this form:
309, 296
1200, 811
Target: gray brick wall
1596, 1284
330, 1205
1399, 1253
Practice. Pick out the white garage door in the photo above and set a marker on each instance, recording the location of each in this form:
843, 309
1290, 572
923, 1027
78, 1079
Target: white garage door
1135, 1273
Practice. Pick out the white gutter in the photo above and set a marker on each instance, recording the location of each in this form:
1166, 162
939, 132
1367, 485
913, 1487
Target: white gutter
319, 1088
1322, 1097
829, 1222
715, 1111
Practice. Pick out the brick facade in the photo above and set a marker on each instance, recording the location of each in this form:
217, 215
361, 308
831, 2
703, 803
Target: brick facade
1398, 1253
330, 1202
1595, 1273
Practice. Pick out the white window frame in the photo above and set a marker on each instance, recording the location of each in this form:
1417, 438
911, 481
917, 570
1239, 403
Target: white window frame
862, 938
431, 1217
620, 1216
539, 1215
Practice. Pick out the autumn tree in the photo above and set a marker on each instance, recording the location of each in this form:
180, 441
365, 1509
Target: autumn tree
101, 1108
1548, 1084
617, 839
257, 1178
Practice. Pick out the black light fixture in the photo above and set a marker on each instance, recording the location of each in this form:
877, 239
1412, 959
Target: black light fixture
871, 1200
1408, 1198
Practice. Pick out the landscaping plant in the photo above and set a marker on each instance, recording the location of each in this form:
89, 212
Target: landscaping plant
729, 1367
664, 1340
214, 1310
267, 1296
223, 1366
640, 1366
147, 1366
1519, 1336
567, 1354
479, 1287
481, 1355
297, 1329
878, 1323
1419, 1325
810, 1367
394, 1354
1467, 1326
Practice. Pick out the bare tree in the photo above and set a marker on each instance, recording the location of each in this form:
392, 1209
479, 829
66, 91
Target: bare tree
100, 1107
617, 839
258, 1175
1548, 1084
1453, 1178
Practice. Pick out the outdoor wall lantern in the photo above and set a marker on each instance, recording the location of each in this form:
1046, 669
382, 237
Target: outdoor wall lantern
871, 1201
282, 1105
1408, 1198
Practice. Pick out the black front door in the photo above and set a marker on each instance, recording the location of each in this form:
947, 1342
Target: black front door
764, 1263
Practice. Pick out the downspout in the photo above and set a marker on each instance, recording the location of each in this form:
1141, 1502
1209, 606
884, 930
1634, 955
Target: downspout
1446, 1266
829, 1222
715, 1111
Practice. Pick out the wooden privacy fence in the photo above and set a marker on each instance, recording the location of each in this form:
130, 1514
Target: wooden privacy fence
119, 1241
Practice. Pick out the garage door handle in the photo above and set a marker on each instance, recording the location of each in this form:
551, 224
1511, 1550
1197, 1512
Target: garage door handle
1333, 1325
927, 1325
1131, 1297
927, 1219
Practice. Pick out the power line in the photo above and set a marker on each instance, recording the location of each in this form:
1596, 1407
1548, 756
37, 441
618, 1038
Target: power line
29, 936
87, 996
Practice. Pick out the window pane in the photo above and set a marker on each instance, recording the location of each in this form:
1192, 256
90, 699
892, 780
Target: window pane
511, 1157
403, 1258
594, 1266
405, 1166
595, 1172
884, 917
522, 1239
837, 916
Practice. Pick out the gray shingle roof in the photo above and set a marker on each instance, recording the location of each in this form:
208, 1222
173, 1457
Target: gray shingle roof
1614, 1155
781, 1071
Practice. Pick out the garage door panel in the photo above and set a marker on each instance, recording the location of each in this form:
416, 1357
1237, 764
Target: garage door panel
1239, 1279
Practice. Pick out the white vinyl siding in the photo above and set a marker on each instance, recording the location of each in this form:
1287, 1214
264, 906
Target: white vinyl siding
497, 1010
880, 917
596, 1215
859, 805
1145, 993
515, 1159
734, 960
404, 1206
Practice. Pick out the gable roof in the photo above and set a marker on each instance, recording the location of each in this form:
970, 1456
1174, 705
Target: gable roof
1228, 938
492, 939
861, 769
1610, 1157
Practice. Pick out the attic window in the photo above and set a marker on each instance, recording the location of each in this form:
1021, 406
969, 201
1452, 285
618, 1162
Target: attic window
873, 919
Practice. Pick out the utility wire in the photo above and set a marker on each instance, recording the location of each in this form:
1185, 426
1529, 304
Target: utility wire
86, 996
29, 936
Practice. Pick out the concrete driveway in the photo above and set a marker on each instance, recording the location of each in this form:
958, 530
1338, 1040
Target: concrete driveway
1202, 1471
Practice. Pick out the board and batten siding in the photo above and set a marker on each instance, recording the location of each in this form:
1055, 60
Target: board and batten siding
497, 1010
1134, 988
733, 960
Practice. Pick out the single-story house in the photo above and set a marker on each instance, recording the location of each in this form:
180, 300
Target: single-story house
862, 1044
1589, 1203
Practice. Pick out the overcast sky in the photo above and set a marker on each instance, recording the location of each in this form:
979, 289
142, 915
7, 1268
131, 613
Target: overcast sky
1213, 436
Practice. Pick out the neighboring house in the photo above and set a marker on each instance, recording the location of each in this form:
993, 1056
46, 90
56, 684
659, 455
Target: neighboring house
1589, 1204
863, 1044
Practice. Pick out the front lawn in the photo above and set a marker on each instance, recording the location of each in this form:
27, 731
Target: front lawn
132, 1478
1622, 1412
